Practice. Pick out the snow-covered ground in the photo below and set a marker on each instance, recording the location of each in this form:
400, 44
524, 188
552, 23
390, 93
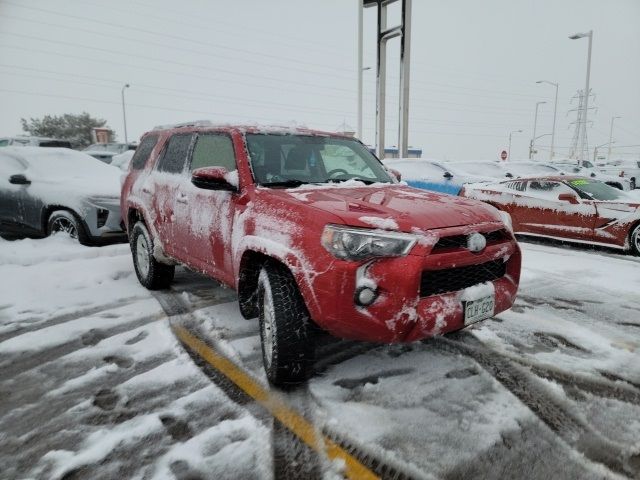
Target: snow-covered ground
93, 383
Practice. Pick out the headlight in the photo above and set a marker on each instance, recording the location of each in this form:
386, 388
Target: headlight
349, 243
506, 219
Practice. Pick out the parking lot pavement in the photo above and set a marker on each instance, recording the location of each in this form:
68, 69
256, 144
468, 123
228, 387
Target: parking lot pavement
94, 384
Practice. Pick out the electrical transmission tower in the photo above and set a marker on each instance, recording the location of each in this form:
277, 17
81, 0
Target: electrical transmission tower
579, 149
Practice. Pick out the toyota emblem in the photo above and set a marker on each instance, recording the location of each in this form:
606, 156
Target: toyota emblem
476, 242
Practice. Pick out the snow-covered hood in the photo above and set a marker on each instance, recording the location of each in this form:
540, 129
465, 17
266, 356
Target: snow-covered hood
393, 207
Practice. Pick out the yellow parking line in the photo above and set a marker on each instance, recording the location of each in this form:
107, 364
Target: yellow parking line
275, 405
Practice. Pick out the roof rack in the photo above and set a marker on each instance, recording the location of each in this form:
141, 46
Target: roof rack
196, 123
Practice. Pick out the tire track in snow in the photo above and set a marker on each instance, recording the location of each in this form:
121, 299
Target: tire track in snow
58, 319
12, 364
292, 457
542, 401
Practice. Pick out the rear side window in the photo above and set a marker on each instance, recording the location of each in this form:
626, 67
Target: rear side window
213, 151
143, 151
175, 155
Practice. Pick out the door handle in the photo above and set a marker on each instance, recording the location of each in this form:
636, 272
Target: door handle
182, 198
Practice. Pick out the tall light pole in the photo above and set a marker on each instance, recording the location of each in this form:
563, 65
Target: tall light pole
124, 114
535, 126
585, 104
511, 133
595, 152
359, 126
555, 109
610, 139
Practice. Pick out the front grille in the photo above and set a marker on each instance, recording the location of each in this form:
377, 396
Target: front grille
460, 241
435, 282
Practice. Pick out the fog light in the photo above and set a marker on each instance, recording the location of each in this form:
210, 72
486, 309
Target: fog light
102, 216
365, 296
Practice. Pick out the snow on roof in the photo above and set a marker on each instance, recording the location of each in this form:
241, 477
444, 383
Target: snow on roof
62, 167
257, 128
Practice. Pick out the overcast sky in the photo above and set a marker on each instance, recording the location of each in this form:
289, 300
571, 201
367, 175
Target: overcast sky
473, 73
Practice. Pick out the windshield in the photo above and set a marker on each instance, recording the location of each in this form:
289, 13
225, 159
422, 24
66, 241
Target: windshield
597, 190
290, 160
486, 169
526, 169
569, 167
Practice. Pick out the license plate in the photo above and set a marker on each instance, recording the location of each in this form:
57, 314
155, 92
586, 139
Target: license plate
476, 310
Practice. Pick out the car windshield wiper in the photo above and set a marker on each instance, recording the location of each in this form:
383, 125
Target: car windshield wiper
366, 181
285, 183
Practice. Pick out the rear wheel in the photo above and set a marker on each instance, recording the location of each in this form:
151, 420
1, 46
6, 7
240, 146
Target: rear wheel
65, 222
151, 273
285, 327
635, 240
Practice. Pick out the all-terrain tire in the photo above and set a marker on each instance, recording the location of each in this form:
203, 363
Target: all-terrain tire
285, 327
66, 222
634, 239
151, 273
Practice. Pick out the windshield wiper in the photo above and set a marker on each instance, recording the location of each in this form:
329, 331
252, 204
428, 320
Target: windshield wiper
366, 181
284, 183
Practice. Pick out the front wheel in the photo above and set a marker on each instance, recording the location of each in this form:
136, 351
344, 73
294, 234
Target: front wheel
65, 222
285, 327
151, 273
635, 240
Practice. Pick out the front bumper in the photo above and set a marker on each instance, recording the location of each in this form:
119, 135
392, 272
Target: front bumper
103, 222
400, 313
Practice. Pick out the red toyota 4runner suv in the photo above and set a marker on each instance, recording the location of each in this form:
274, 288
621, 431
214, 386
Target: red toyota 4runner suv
313, 231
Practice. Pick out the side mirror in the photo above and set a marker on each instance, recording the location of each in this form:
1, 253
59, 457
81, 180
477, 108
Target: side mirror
593, 174
212, 178
447, 175
568, 197
395, 173
19, 179
509, 175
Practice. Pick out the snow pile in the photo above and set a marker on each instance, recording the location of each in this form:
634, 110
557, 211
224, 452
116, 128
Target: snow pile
382, 223
50, 267
232, 178
477, 292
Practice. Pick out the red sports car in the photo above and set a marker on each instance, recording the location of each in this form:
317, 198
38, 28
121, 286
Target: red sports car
567, 208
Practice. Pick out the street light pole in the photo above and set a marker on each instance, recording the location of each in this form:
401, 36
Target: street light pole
360, 9
610, 139
555, 109
595, 151
124, 114
510, 133
535, 126
585, 104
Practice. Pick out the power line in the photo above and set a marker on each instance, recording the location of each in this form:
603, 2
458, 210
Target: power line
165, 35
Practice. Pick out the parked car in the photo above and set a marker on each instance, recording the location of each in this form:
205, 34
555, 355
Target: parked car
312, 231
106, 151
122, 160
525, 169
579, 209
433, 175
587, 169
483, 168
48, 190
623, 168
26, 141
